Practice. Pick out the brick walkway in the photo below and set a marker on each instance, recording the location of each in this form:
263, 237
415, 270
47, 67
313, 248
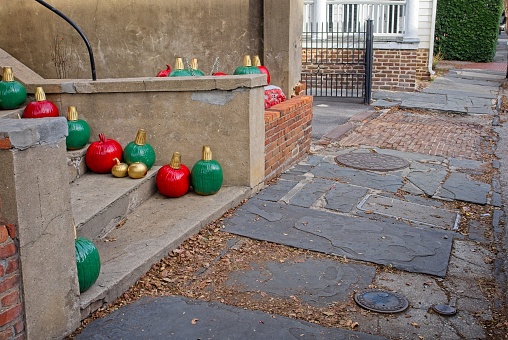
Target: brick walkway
421, 133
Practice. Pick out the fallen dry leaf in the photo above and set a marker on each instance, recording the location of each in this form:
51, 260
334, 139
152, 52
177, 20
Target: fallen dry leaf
194, 321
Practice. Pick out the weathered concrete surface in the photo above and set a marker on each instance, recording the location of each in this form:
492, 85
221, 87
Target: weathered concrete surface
128, 251
138, 39
37, 201
188, 319
101, 201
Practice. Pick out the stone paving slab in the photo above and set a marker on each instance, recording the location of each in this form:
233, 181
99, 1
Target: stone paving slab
427, 177
395, 243
413, 212
311, 192
344, 197
180, 318
316, 282
386, 182
459, 187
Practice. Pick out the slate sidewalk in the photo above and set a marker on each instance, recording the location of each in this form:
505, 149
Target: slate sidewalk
346, 201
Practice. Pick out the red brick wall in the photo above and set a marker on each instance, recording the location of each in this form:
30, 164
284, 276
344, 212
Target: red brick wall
393, 70
11, 307
287, 134
399, 70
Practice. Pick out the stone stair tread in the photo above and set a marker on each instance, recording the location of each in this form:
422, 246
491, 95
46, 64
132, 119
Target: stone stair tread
98, 200
12, 114
156, 227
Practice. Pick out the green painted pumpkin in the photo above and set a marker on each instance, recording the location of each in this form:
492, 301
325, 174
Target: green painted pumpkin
247, 67
88, 262
194, 68
206, 174
79, 130
179, 70
139, 151
12, 92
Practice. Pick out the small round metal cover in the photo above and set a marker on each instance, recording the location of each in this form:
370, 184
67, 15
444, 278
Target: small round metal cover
444, 309
371, 161
381, 301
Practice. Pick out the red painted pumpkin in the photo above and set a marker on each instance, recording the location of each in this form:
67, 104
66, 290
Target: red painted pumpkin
100, 155
257, 62
164, 73
173, 180
41, 107
219, 74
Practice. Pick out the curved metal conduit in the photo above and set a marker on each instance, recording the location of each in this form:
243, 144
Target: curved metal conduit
88, 46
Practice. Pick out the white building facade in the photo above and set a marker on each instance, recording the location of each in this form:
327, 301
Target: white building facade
403, 35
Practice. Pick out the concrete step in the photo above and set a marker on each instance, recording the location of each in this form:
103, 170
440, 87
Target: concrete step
12, 114
149, 233
76, 163
100, 201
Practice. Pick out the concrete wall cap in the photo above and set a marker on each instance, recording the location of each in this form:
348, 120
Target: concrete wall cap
24, 133
149, 84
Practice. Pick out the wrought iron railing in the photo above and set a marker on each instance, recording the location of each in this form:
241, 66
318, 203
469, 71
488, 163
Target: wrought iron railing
88, 46
389, 16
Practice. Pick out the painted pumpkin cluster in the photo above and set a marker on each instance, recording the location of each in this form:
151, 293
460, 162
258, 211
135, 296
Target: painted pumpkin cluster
174, 179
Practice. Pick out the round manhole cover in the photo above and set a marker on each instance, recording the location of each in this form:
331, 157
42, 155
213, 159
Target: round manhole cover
371, 161
381, 301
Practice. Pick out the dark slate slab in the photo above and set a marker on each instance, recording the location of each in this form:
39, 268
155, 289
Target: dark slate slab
427, 177
421, 250
297, 173
276, 191
311, 192
414, 212
176, 317
344, 197
316, 282
385, 182
459, 187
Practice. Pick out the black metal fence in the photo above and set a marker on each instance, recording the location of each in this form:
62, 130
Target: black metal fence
338, 63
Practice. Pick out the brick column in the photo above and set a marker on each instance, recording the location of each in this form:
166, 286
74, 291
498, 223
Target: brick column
11, 307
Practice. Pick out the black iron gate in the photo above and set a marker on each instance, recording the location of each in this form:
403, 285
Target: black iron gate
338, 63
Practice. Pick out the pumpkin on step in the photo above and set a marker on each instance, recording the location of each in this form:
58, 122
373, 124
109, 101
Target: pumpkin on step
179, 70
173, 180
88, 262
139, 151
257, 62
194, 68
100, 154
206, 174
12, 92
41, 107
79, 130
247, 67
164, 73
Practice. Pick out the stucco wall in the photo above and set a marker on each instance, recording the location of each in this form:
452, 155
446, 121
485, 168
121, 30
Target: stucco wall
130, 38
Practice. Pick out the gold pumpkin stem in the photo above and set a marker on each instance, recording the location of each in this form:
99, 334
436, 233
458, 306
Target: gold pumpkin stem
176, 161
140, 137
72, 113
39, 94
7, 74
194, 64
179, 64
256, 61
246, 60
207, 153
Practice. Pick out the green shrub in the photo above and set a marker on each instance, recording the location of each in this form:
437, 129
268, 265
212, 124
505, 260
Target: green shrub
467, 29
